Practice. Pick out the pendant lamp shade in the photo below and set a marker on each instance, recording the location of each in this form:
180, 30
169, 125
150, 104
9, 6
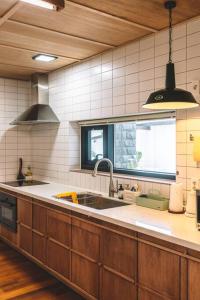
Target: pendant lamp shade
170, 97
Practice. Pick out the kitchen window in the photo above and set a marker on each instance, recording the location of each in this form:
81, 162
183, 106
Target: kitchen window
139, 147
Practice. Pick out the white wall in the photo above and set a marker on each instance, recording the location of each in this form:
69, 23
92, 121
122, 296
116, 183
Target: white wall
115, 83
14, 142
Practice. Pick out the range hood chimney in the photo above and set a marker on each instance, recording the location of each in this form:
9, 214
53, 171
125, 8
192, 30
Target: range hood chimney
40, 112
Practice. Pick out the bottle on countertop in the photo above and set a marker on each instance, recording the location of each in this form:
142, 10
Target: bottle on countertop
120, 191
191, 202
20, 175
29, 174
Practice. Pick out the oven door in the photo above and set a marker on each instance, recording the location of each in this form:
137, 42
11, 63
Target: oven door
8, 214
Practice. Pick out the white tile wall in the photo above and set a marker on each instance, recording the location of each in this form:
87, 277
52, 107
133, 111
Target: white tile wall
117, 82
14, 141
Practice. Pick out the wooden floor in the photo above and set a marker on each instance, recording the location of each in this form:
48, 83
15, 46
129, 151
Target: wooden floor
20, 279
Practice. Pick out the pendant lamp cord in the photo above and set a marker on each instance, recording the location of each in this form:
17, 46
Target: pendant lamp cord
170, 35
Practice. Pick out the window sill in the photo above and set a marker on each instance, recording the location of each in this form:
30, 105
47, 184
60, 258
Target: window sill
123, 176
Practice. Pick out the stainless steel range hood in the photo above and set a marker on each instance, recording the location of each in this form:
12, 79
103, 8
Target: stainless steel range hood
40, 112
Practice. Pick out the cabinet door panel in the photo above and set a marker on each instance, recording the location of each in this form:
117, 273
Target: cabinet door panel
9, 235
120, 253
25, 238
146, 295
39, 218
193, 280
58, 258
159, 270
24, 212
85, 274
86, 239
59, 227
117, 288
39, 247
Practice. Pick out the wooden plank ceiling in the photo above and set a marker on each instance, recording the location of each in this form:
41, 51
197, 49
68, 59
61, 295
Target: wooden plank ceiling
84, 28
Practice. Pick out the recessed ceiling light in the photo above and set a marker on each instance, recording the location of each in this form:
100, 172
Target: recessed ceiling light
44, 57
49, 4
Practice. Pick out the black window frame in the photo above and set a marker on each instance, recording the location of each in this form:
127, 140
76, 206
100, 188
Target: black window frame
108, 140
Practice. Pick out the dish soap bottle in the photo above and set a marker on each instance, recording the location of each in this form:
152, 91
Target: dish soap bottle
121, 192
29, 174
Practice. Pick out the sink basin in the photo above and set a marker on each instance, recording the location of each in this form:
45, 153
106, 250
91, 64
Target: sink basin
96, 201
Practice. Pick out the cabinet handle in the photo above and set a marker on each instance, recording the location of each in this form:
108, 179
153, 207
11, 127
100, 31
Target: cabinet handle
99, 264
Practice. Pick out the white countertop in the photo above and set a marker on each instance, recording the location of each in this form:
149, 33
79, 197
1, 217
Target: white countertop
177, 229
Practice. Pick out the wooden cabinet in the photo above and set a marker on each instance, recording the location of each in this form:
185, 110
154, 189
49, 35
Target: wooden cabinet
8, 235
119, 258
25, 224
59, 227
39, 232
85, 265
25, 238
159, 270
85, 274
39, 218
58, 258
24, 212
104, 261
115, 286
58, 242
193, 280
120, 253
39, 246
146, 295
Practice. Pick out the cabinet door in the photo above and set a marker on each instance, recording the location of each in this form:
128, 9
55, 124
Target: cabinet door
86, 239
39, 247
58, 258
85, 274
119, 258
39, 218
24, 212
193, 280
116, 287
39, 232
85, 256
9, 235
120, 253
159, 270
25, 238
59, 227
146, 295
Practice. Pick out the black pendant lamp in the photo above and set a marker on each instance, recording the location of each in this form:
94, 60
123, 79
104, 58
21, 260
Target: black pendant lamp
170, 97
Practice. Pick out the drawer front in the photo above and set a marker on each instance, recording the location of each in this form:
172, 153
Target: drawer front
59, 227
86, 239
24, 212
120, 253
39, 218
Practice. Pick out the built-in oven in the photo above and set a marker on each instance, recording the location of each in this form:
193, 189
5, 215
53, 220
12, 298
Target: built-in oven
8, 211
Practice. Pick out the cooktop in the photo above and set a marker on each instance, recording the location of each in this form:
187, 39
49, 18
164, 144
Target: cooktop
18, 183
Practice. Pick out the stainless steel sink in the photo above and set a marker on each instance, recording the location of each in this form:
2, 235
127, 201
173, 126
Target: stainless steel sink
96, 201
